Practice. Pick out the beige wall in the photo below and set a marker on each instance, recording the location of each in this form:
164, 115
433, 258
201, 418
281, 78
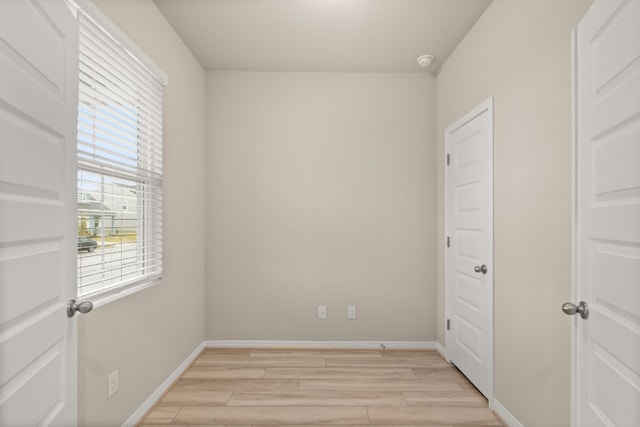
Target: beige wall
321, 190
147, 335
519, 52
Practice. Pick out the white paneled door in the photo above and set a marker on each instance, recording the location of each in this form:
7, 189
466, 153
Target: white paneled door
38, 109
469, 240
607, 279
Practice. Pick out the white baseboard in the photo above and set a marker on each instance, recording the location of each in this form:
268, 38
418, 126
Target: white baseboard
442, 351
505, 415
137, 416
369, 345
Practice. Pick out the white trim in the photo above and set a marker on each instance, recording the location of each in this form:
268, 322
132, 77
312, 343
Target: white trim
573, 407
137, 416
369, 345
442, 351
105, 298
486, 105
505, 415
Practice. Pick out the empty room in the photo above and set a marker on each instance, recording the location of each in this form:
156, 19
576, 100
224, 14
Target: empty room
320, 212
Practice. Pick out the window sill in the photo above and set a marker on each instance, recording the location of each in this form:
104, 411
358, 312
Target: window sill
99, 300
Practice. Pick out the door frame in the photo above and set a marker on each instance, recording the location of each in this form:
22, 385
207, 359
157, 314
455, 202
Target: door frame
485, 106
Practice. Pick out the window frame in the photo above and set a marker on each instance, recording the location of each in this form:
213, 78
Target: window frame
146, 218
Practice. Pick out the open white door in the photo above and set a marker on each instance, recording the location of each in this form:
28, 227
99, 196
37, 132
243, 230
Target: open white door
469, 253
607, 248
38, 110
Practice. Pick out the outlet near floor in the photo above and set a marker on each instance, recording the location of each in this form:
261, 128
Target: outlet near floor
113, 383
322, 312
351, 312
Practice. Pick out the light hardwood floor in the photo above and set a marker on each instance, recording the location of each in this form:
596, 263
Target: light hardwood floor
321, 387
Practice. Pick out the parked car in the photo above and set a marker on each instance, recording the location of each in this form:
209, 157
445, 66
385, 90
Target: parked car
86, 244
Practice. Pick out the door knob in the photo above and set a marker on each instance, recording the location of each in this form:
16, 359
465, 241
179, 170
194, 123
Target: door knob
572, 309
82, 307
480, 269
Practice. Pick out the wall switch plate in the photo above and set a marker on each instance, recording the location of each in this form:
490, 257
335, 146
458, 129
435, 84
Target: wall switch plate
351, 312
322, 312
113, 383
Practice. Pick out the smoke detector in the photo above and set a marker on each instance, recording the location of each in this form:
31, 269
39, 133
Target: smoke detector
425, 60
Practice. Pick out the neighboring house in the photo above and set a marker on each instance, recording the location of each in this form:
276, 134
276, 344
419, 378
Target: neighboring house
116, 214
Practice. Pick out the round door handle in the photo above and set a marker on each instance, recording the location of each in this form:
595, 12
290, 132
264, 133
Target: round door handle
82, 307
480, 269
572, 309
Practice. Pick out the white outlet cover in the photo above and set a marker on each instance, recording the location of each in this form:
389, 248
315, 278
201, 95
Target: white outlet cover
351, 311
113, 383
322, 312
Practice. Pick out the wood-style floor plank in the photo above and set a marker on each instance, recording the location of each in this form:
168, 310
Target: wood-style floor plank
388, 362
447, 372
464, 398
296, 387
369, 384
264, 362
317, 398
432, 415
162, 415
277, 416
238, 384
181, 398
199, 371
368, 354
322, 373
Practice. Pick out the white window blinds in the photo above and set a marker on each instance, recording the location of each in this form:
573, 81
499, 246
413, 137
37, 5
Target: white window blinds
119, 166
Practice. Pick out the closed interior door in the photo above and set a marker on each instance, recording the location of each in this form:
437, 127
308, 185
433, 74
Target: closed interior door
469, 252
607, 278
38, 109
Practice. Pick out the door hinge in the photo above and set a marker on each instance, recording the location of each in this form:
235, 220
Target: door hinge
448, 242
448, 324
448, 159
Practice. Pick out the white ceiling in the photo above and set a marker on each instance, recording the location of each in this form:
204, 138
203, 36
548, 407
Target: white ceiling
321, 35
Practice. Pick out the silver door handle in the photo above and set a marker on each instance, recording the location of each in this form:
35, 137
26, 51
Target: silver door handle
82, 307
572, 309
480, 269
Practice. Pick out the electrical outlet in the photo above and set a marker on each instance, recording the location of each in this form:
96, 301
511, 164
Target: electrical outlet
351, 312
322, 312
113, 383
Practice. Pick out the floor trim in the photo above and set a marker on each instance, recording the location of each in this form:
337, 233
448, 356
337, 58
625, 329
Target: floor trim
148, 404
504, 415
442, 351
369, 345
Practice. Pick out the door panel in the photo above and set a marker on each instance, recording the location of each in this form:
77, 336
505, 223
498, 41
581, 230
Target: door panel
608, 211
38, 107
469, 294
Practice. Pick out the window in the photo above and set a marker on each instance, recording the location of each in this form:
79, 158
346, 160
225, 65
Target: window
119, 163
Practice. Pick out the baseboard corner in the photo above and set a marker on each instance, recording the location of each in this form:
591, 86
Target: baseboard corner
442, 351
148, 404
504, 415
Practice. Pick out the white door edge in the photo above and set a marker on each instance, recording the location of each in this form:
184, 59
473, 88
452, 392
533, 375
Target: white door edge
574, 216
486, 105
